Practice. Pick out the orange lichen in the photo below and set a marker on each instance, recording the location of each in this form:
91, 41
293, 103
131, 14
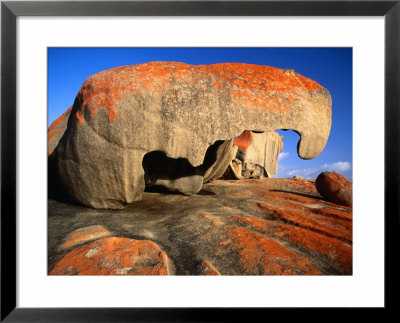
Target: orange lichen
217, 85
340, 252
258, 82
259, 77
335, 188
261, 255
244, 140
335, 213
107, 88
56, 126
306, 219
301, 205
114, 256
293, 212
251, 85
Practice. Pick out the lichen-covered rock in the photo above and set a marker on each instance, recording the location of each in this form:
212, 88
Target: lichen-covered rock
272, 226
335, 188
257, 254
84, 235
114, 256
120, 115
56, 130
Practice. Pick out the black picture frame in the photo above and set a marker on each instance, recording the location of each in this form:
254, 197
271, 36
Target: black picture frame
10, 10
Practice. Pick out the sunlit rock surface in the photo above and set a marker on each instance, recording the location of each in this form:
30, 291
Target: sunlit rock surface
114, 256
248, 227
334, 187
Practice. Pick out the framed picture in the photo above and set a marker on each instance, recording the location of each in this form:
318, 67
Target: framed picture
33, 33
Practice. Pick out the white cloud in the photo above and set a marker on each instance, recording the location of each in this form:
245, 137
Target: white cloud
337, 167
282, 155
310, 172
313, 172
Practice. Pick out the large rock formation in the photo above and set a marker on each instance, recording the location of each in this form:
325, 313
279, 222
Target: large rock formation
122, 114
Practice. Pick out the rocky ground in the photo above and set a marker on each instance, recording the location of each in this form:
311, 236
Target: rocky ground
248, 227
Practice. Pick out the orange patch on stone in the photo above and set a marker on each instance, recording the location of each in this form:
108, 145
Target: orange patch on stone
290, 206
306, 219
260, 255
251, 85
335, 213
107, 88
338, 251
335, 188
217, 85
257, 81
244, 140
83, 235
56, 126
114, 256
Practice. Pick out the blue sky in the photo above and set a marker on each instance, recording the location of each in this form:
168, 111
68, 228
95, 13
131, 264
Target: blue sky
331, 67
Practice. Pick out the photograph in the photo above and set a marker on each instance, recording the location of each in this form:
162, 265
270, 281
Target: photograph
200, 161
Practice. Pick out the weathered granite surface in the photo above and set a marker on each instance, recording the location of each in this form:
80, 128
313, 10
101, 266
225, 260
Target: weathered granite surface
248, 227
122, 114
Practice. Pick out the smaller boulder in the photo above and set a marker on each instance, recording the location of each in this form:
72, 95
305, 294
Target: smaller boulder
114, 256
335, 188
